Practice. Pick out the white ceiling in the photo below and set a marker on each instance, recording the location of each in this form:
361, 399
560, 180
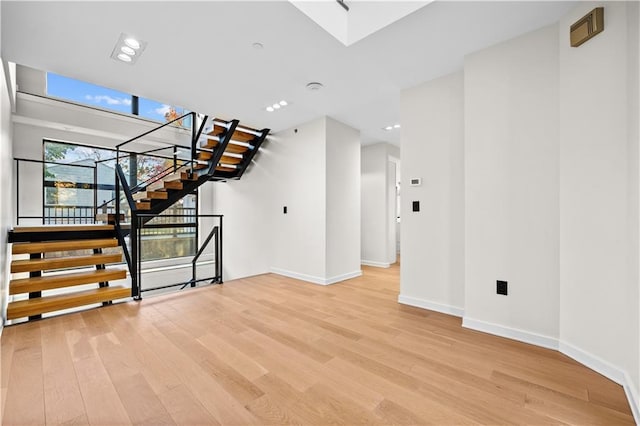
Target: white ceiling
200, 55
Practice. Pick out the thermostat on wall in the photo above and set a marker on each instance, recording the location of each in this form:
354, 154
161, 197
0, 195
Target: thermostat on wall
415, 182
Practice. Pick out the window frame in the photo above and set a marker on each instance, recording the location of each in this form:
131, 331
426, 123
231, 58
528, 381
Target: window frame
195, 193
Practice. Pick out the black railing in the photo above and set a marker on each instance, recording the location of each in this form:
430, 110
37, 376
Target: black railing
69, 215
215, 234
124, 193
59, 213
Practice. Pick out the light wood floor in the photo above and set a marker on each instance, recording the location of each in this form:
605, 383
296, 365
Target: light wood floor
273, 350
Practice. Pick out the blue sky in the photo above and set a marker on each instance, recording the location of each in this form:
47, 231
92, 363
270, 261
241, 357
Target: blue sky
102, 97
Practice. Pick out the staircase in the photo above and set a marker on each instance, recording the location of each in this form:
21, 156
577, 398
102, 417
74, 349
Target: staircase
45, 248
46, 284
223, 153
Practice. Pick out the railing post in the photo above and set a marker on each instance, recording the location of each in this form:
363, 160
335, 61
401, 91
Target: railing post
95, 192
220, 234
175, 158
18, 193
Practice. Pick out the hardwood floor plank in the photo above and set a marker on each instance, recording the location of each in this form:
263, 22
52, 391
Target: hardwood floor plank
101, 401
62, 397
275, 350
24, 403
184, 407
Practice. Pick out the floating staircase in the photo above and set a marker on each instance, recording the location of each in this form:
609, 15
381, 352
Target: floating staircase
43, 282
50, 285
223, 153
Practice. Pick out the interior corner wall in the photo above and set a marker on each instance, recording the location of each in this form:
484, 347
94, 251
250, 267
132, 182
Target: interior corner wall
375, 221
432, 245
288, 171
342, 201
599, 192
6, 201
511, 184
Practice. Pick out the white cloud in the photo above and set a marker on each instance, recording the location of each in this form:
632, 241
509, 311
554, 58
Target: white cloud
163, 110
108, 100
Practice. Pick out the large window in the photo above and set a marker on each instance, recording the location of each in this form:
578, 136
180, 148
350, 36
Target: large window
80, 180
93, 95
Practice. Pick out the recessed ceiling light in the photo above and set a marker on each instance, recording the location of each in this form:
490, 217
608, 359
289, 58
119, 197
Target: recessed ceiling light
132, 43
283, 103
124, 57
129, 51
396, 126
314, 86
270, 109
257, 45
388, 128
276, 106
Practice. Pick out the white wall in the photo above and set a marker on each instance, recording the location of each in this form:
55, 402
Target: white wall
6, 210
391, 201
511, 183
313, 170
342, 204
432, 246
599, 189
552, 187
378, 205
288, 171
297, 167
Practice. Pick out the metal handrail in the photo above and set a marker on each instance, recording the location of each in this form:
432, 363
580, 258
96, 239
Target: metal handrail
215, 233
153, 130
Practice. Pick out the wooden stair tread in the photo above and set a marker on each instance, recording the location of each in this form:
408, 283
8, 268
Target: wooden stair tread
205, 155
236, 149
27, 285
225, 169
49, 246
233, 148
30, 265
230, 160
58, 228
241, 136
150, 195
41, 305
143, 205
108, 217
209, 144
164, 185
185, 176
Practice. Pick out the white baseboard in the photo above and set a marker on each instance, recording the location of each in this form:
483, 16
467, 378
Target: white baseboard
632, 396
608, 370
511, 333
342, 277
314, 279
432, 306
591, 361
374, 263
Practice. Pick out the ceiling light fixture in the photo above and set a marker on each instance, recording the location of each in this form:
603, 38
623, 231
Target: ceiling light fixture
277, 105
314, 86
396, 126
128, 49
124, 57
388, 128
258, 46
132, 43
